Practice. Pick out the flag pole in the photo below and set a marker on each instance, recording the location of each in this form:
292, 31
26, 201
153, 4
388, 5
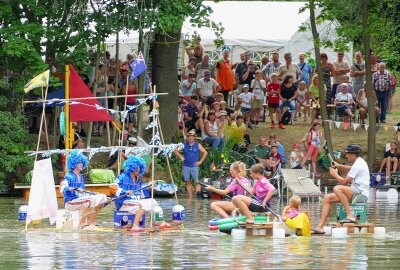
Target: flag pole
123, 125
67, 126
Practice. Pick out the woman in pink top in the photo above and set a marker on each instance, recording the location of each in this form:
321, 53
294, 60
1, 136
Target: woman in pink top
263, 191
238, 172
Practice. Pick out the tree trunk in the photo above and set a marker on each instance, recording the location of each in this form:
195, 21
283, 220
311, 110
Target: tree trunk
322, 97
369, 89
166, 48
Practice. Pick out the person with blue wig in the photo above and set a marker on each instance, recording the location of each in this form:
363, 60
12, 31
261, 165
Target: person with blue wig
75, 196
127, 185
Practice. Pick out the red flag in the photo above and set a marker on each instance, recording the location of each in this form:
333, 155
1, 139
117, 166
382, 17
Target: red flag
80, 112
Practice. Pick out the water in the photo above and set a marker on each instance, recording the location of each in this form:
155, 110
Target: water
193, 248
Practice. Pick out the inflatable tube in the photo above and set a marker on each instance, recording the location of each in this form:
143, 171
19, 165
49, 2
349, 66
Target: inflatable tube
213, 227
228, 226
213, 222
230, 220
261, 218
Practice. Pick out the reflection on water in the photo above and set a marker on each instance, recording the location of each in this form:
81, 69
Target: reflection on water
195, 247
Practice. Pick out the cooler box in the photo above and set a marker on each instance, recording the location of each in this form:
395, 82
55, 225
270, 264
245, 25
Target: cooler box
123, 219
374, 181
98, 176
395, 179
359, 211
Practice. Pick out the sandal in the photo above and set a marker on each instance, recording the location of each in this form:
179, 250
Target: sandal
317, 232
137, 230
348, 220
165, 226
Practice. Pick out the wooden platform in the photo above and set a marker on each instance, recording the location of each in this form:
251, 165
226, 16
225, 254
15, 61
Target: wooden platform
351, 227
258, 229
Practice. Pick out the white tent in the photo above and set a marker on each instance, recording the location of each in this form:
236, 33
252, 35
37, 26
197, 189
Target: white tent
257, 26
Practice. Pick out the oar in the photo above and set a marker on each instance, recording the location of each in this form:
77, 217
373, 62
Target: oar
84, 191
125, 195
267, 208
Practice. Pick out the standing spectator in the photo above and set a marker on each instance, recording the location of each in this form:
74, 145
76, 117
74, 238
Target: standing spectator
225, 75
374, 63
258, 85
306, 70
131, 101
246, 98
249, 74
290, 69
188, 87
302, 100
198, 50
206, 88
344, 104
264, 61
357, 72
203, 66
240, 69
211, 133
287, 96
328, 70
101, 91
273, 93
272, 67
189, 69
342, 67
314, 141
382, 82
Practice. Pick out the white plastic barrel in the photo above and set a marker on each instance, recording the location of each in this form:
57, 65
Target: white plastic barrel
22, 212
238, 234
178, 214
158, 215
380, 232
339, 232
328, 230
392, 194
278, 233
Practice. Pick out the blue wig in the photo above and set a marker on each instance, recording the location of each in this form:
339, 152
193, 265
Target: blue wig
133, 163
74, 158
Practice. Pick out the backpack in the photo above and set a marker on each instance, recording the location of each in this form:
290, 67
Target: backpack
286, 117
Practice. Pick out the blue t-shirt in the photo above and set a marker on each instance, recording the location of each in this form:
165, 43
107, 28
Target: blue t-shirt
306, 69
73, 182
191, 154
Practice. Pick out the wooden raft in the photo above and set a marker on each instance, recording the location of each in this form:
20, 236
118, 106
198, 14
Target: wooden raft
258, 229
351, 226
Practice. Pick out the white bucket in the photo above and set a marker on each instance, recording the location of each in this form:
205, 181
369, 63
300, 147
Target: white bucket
238, 234
67, 219
339, 233
278, 233
380, 232
381, 194
328, 230
364, 230
392, 194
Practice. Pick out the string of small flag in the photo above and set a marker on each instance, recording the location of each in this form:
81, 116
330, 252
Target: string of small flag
355, 126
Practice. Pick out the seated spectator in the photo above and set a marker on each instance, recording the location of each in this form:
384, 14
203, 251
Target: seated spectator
238, 130
287, 96
223, 123
273, 141
314, 95
191, 115
206, 88
302, 100
219, 97
362, 101
345, 79
229, 111
390, 159
296, 157
344, 104
211, 133
189, 69
261, 151
275, 158
188, 87
216, 108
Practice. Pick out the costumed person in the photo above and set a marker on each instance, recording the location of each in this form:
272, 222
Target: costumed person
296, 219
357, 175
238, 172
132, 200
191, 162
263, 191
75, 196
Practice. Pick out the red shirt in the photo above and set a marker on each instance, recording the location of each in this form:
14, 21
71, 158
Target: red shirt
131, 91
277, 157
272, 97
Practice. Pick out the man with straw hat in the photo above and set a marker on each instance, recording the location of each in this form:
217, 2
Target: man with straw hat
191, 162
357, 175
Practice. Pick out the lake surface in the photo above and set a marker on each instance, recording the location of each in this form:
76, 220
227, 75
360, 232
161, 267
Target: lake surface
195, 247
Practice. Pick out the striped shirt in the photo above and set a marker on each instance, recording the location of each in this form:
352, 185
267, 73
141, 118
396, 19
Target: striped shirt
382, 81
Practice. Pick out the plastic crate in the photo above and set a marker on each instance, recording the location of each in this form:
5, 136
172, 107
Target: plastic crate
359, 211
395, 179
377, 179
123, 219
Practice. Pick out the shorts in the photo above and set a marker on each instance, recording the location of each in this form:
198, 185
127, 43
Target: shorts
291, 104
255, 206
89, 201
273, 105
257, 104
190, 173
340, 110
358, 197
245, 110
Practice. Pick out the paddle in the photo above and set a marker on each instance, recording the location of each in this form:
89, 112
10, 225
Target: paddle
325, 147
84, 191
267, 208
125, 195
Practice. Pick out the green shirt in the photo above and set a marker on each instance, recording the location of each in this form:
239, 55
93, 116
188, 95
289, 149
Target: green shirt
262, 152
314, 90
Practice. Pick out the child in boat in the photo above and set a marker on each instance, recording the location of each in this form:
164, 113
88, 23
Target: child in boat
296, 219
126, 185
263, 191
238, 172
73, 190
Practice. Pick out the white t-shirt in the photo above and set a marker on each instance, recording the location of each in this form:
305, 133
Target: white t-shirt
257, 90
297, 160
360, 174
187, 92
206, 88
246, 99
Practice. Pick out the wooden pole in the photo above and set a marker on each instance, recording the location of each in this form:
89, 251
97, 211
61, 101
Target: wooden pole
152, 163
106, 94
116, 86
123, 126
67, 85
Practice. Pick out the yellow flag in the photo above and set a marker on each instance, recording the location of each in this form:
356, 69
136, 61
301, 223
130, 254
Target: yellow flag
41, 80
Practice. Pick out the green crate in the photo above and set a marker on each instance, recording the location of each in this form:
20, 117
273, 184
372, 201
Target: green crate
395, 179
359, 211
